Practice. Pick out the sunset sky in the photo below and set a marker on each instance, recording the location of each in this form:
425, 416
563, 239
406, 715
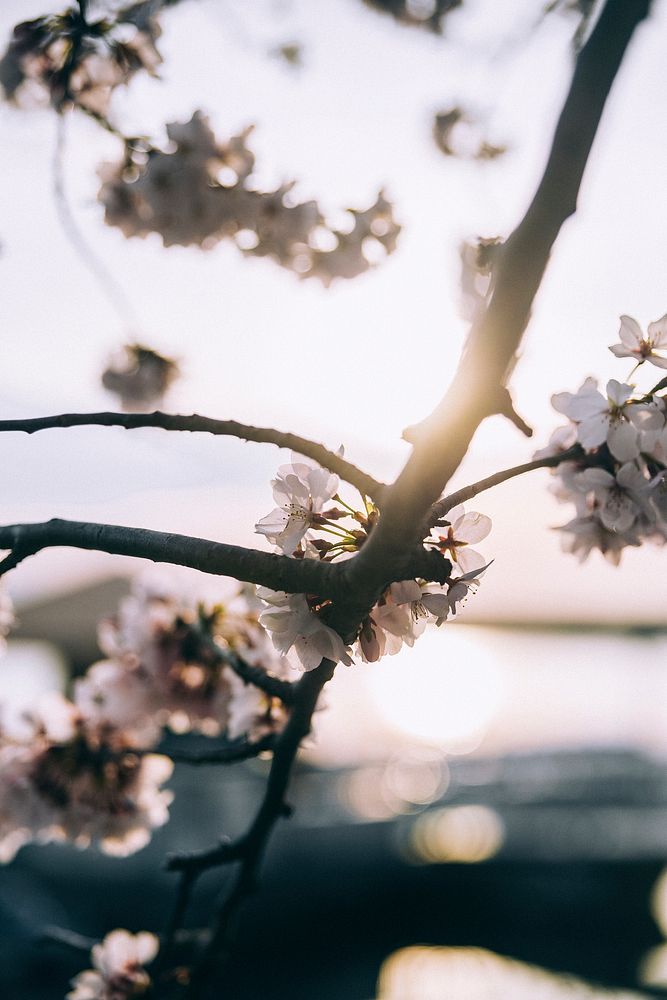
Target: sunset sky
356, 363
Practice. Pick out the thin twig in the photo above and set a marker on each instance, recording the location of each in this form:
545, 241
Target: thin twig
61, 935
275, 687
440, 508
88, 257
227, 428
177, 916
249, 848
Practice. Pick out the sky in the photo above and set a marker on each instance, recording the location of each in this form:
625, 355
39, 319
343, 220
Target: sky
356, 363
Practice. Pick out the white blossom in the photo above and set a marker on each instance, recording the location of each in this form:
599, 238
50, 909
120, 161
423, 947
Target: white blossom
293, 625
300, 490
112, 694
621, 498
464, 529
634, 344
459, 587
584, 534
119, 972
603, 419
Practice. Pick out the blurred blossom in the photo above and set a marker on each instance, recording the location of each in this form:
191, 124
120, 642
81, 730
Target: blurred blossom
455, 133
62, 59
119, 972
199, 191
140, 377
71, 779
167, 667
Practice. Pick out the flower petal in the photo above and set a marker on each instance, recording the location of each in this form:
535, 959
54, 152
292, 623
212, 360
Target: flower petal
630, 332
593, 431
472, 528
623, 441
657, 332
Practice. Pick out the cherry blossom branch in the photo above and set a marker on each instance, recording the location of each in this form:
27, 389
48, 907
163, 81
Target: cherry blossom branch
218, 558
227, 428
478, 388
439, 445
441, 441
249, 848
440, 508
275, 687
295, 576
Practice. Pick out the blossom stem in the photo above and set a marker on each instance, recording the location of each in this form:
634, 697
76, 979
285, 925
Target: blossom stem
340, 500
332, 531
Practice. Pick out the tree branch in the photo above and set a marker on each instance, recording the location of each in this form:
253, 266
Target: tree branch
440, 508
440, 443
275, 687
249, 848
229, 753
478, 388
294, 576
249, 565
227, 428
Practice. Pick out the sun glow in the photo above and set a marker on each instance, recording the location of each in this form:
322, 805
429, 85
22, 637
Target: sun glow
445, 691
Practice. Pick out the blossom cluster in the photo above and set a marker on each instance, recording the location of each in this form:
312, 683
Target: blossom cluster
199, 191
139, 376
71, 778
456, 133
615, 472
84, 770
119, 968
312, 521
62, 60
